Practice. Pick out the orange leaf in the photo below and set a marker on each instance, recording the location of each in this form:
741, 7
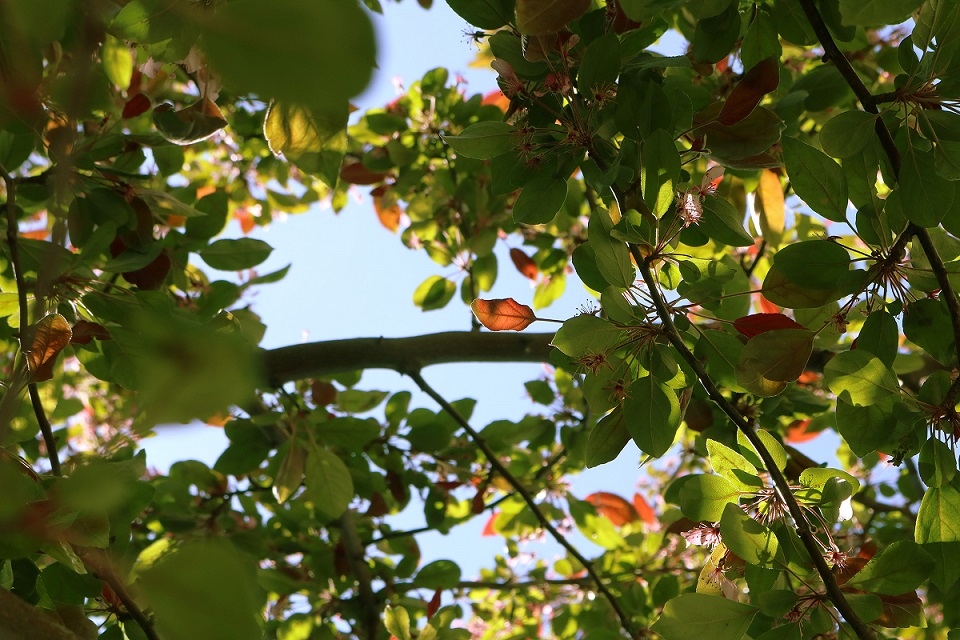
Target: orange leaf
765, 305
389, 214
489, 529
47, 338
356, 173
644, 510
503, 314
763, 78
524, 264
613, 508
323, 393
797, 432
497, 99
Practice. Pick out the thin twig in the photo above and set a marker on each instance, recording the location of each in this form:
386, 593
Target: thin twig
13, 242
97, 561
498, 466
361, 573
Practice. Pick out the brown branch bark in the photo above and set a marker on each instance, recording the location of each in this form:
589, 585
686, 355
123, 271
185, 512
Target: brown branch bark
298, 362
20, 620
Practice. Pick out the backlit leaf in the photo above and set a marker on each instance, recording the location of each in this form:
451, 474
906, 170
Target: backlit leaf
652, 413
483, 140
762, 322
47, 339
760, 80
524, 264
312, 139
612, 507
900, 568
771, 359
770, 207
938, 532
607, 439
698, 615
192, 124
329, 483
235, 255
749, 539
540, 17
816, 178
860, 378
848, 133
503, 314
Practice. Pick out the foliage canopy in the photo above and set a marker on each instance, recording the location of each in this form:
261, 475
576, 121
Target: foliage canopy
770, 225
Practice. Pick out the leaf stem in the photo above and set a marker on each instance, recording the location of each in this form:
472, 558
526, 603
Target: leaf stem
522, 491
13, 242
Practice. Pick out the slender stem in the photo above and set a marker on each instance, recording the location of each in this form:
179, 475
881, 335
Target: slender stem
98, 562
45, 429
361, 573
522, 491
780, 482
13, 242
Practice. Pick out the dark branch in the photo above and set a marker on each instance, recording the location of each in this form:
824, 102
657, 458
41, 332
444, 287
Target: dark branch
302, 361
522, 491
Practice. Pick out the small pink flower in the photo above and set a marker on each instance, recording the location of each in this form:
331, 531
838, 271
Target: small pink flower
705, 535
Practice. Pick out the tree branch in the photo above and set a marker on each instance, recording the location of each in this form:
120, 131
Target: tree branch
100, 564
780, 482
13, 242
498, 466
298, 362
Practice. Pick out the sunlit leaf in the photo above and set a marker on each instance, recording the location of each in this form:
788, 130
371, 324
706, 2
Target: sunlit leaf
504, 314
538, 17
693, 615
47, 339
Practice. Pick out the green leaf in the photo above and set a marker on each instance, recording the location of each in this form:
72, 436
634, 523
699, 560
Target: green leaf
901, 567
189, 125
607, 439
439, 574
773, 358
587, 335
925, 195
716, 36
539, 201
866, 429
770, 443
720, 352
778, 289
613, 257
434, 293
748, 538
722, 222
938, 532
818, 477
697, 615
600, 65
816, 264
486, 14
290, 474
280, 49
117, 61
652, 413
314, 140
660, 171
734, 467
938, 463
848, 133
212, 577
860, 378
329, 484
880, 336
236, 255
927, 324
816, 178
397, 622
876, 12
703, 497
484, 140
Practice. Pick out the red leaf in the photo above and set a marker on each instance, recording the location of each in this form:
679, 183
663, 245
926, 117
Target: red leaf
524, 264
763, 78
152, 276
644, 510
85, 331
47, 339
135, 106
797, 432
759, 323
378, 506
323, 393
503, 314
356, 173
478, 505
434, 605
613, 508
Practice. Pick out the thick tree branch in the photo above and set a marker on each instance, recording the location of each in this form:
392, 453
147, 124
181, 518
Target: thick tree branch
298, 362
522, 491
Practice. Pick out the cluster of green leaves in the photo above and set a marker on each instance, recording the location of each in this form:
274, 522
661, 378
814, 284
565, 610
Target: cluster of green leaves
808, 290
